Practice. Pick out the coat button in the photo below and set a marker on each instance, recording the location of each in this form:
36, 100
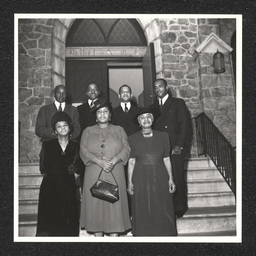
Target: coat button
165, 126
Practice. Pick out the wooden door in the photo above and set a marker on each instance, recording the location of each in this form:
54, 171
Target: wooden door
79, 73
149, 75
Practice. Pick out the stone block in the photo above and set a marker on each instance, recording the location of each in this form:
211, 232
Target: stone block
168, 37
152, 30
163, 25
22, 38
22, 50
179, 51
36, 52
29, 44
33, 156
170, 58
45, 42
24, 109
167, 74
183, 21
157, 48
34, 82
43, 92
189, 60
174, 27
206, 93
171, 22
23, 84
173, 82
220, 112
35, 101
177, 66
26, 74
184, 28
193, 28
192, 75
167, 49
26, 28
58, 48
226, 102
209, 81
26, 62
43, 73
159, 63
193, 83
176, 45
49, 22
226, 80
206, 59
59, 66
25, 121
48, 57
186, 46
232, 114
192, 106
46, 82
24, 94
40, 62
219, 92
187, 92
34, 35
201, 21
210, 104
214, 21
178, 74
190, 34
43, 29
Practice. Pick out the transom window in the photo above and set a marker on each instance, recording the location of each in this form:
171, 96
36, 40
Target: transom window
106, 32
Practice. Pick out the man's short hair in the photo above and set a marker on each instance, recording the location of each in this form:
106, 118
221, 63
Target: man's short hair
162, 80
93, 83
125, 85
57, 88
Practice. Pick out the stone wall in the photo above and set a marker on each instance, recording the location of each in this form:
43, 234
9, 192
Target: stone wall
35, 85
42, 67
217, 90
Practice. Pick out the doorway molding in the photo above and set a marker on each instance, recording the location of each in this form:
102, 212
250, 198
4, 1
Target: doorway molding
61, 28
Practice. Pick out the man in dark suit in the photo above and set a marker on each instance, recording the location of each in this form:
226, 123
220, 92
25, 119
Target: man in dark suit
123, 114
174, 120
43, 122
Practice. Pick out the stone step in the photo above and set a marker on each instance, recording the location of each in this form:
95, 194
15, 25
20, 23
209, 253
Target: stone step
197, 221
31, 168
28, 206
207, 186
30, 179
207, 219
29, 192
211, 199
198, 162
202, 173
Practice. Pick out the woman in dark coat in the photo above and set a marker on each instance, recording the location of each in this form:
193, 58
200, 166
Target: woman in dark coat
150, 180
58, 205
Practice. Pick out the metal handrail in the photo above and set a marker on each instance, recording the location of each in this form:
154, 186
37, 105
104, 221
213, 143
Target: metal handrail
211, 142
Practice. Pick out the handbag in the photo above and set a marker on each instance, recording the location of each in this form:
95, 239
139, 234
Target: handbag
105, 190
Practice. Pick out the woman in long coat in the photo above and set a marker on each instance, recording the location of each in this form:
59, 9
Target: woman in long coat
150, 180
58, 205
104, 147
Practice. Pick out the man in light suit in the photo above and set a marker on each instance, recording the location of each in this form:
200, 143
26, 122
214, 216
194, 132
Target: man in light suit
43, 122
123, 114
174, 120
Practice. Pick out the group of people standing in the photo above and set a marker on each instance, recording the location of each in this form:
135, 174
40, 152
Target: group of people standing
143, 148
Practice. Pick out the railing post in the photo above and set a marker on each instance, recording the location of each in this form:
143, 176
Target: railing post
204, 136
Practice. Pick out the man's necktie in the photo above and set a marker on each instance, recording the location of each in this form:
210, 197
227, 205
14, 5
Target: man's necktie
161, 102
60, 108
125, 108
92, 104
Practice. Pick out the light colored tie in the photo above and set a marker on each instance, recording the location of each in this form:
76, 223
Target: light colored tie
60, 108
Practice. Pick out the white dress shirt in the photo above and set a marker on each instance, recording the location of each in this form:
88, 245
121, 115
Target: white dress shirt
57, 104
163, 99
128, 105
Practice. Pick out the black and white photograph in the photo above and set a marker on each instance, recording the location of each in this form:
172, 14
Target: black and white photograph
128, 128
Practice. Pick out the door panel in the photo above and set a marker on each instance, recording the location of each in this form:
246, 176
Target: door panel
149, 75
79, 73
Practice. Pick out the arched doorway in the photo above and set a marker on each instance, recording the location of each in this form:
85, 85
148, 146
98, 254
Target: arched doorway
109, 52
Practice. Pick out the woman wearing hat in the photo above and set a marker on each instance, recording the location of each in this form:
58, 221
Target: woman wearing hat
150, 180
58, 206
104, 147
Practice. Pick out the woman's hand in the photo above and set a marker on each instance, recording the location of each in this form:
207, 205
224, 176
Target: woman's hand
172, 186
130, 189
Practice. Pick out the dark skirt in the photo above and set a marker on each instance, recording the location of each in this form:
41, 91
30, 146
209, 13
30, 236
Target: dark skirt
58, 207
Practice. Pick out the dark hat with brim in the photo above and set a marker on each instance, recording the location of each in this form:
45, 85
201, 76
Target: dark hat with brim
151, 110
100, 103
61, 116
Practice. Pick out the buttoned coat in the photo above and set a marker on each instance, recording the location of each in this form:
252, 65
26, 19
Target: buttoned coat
43, 122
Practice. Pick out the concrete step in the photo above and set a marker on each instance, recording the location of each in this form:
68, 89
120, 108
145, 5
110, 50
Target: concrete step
207, 186
27, 224
211, 199
207, 219
198, 162
31, 168
202, 173
27, 192
30, 179
28, 206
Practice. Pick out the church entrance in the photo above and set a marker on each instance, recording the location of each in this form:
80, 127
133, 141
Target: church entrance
109, 52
